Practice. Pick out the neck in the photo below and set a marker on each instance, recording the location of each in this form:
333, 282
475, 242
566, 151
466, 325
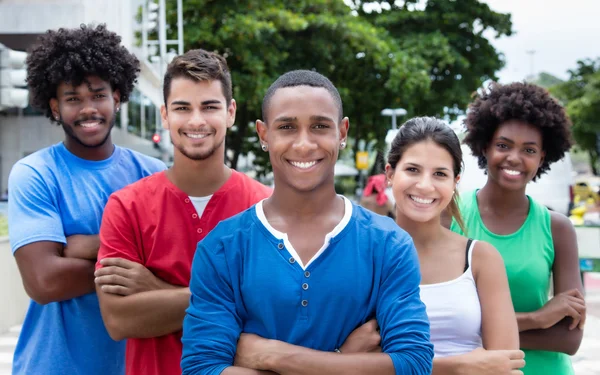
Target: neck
198, 178
493, 197
287, 201
423, 234
101, 152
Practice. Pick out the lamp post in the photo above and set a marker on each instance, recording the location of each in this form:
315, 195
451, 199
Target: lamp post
394, 113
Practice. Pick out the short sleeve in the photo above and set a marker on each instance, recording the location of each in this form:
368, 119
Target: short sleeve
33, 212
118, 232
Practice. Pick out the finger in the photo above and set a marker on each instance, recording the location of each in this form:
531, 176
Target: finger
517, 364
111, 270
113, 280
576, 318
516, 354
119, 262
582, 321
116, 289
516, 372
372, 325
576, 299
376, 350
580, 307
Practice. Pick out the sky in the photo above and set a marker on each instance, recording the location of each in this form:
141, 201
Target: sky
560, 33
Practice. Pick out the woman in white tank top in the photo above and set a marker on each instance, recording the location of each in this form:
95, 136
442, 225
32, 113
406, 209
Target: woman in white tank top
463, 282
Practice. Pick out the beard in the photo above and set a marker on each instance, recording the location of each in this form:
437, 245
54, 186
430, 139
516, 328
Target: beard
68, 129
198, 155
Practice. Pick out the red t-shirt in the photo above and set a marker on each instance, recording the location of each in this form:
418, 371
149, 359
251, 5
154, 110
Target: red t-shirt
154, 223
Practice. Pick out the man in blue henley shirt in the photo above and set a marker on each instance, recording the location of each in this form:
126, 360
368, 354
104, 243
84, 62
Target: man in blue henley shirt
279, 287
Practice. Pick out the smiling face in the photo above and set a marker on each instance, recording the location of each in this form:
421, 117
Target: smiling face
423, 181
303, 137
514, 155
86, 112
197, 117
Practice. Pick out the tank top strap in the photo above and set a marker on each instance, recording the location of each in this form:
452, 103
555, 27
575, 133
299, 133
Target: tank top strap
469, 253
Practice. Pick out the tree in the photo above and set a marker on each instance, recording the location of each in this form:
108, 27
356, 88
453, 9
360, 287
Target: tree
373, 64
581, 96
546, 80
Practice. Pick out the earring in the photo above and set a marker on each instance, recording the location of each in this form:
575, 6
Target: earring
118, 108
343, 145
389, 182
264, 147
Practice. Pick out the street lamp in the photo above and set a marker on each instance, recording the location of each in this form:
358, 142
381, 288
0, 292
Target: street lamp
394, 113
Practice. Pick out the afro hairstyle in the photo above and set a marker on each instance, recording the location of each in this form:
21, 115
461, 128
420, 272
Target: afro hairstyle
523, 102
72, 55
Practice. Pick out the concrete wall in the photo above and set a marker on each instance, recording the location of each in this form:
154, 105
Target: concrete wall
13, 299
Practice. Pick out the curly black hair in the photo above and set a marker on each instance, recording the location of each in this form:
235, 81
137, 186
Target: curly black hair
72, 55
524, 102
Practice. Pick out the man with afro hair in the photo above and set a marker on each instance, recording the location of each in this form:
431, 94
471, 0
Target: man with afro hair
517, 131
78, 78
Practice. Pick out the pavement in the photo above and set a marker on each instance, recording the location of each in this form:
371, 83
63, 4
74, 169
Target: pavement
585, 362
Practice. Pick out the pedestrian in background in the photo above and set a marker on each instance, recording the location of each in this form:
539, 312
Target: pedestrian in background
517, 131
78, 78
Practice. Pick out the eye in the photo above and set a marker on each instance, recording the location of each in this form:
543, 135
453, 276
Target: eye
322, 126
501, 145
72, 99
440, 174
99, 96
285, 127
181, 108
412, 169
531, 151
211, 107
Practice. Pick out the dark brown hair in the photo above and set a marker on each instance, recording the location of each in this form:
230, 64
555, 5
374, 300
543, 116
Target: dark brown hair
420, 129
199, 65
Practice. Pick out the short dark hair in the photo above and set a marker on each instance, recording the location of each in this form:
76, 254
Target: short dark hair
524, 102
72, 55
199, 65
302, 78
420, 129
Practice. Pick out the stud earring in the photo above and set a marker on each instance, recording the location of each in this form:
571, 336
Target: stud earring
264, 147
389, 182
343, 145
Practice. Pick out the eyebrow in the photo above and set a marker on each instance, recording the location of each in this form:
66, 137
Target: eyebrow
286, 119
96, 90
320, 118
206, 102
437, 169
511, 141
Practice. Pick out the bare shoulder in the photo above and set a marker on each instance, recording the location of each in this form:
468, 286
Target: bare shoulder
560, 223
485, 258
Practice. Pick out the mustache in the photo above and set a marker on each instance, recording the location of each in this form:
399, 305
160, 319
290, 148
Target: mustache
92, 118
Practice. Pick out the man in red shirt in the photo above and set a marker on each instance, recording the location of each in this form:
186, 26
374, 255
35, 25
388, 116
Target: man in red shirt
150, 229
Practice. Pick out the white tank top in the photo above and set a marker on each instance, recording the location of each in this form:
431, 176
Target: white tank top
454, 312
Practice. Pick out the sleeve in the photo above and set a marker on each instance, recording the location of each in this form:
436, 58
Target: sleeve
212, 325
33, 213
117, 233
400, 312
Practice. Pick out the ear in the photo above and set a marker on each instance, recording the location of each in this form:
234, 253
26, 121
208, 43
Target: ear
117, 98
343, 127
54, 107
456, 180
231, 113
163, 116
389, 173
542, 159
261, 130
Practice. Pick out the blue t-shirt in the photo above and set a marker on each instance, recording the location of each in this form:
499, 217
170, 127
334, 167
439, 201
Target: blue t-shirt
54, 194
244, 279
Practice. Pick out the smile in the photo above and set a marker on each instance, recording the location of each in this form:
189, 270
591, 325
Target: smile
422, 200
196, 135
89, 124
511, 172
304, 164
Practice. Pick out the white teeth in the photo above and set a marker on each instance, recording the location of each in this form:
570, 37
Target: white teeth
89, 124
303, 165
511, 172
421, 200
196, 136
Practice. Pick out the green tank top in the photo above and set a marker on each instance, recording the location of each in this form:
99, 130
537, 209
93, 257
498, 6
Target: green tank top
528, 256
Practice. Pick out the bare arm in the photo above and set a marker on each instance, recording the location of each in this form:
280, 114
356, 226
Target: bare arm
143, 315
82, 247
499, 328
562, 335
50, 277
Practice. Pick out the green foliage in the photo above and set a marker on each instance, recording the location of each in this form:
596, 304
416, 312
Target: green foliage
581, 96
427, 61
546, 80
3, 226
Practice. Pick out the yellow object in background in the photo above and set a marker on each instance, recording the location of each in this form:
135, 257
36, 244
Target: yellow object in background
362, 160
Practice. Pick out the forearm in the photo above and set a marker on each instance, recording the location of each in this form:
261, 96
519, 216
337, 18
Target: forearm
447, 365
63, 279
82, 247
303, 361
145, 315
234, 370
557, 338
527, 321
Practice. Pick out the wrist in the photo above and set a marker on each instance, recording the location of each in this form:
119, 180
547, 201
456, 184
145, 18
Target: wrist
273, 356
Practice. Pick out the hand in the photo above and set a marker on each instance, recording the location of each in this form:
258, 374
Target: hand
493, 362
570, 303
124, 277
253, 351
82, 246
364, 339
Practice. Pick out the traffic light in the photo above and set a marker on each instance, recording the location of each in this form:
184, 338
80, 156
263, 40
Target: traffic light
156, 140
12, 79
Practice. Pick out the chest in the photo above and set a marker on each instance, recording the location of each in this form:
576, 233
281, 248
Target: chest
503, 224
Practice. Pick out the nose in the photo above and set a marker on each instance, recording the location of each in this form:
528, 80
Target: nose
89, 109
304, 142
425, 183
197, 119
513, 157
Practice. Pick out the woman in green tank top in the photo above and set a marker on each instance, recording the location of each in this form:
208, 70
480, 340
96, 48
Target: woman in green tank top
517, 131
